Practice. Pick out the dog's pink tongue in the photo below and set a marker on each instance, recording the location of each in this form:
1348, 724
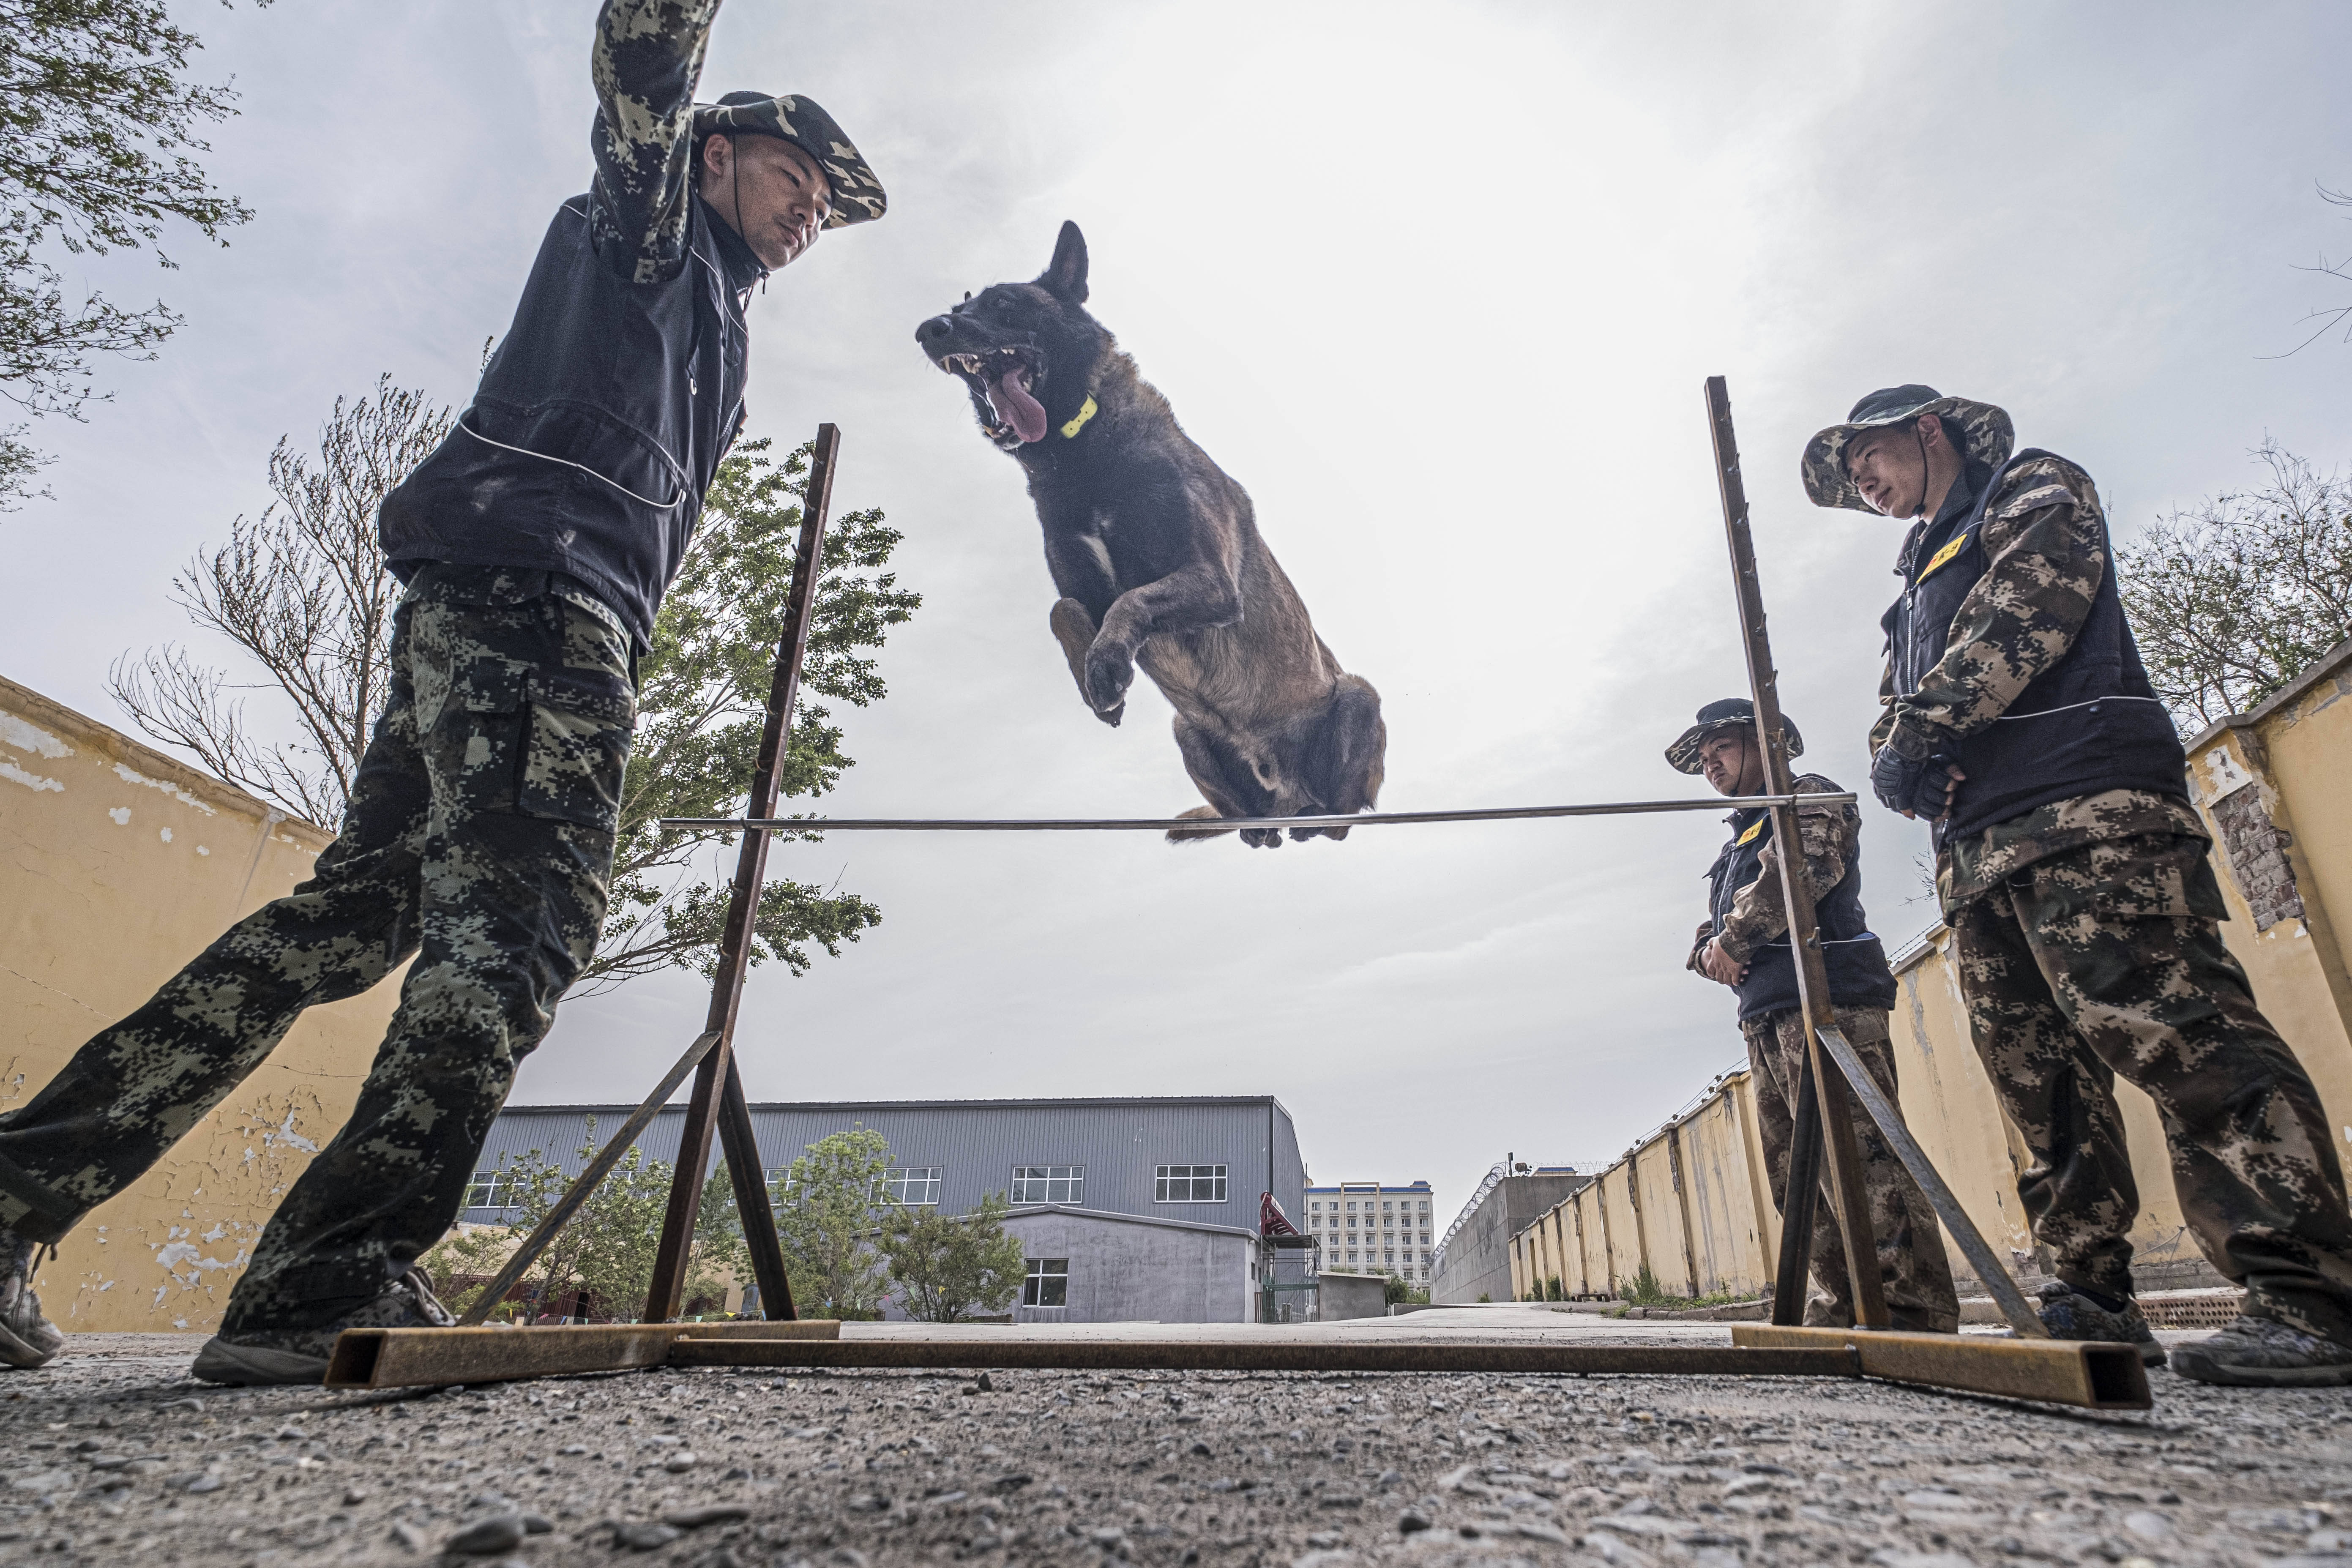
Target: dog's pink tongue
1013, 400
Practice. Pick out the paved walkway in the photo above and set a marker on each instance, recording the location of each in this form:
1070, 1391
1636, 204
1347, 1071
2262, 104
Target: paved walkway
111, 1456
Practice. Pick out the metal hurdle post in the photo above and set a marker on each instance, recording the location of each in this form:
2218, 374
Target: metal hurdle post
2098, 1376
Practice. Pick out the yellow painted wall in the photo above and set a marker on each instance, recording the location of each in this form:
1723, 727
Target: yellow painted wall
1592, 1252
2296, 751
117, 866
1719, 1180
1621, 1227
1662, 1225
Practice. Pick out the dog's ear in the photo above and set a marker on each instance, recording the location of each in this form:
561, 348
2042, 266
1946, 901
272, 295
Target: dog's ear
1067, 274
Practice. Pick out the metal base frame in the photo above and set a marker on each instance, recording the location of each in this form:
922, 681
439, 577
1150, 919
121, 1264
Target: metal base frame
2098, 1377
2031, 1366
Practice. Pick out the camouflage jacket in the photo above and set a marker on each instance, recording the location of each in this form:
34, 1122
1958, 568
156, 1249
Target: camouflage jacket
2044, 537
644, 62
1831, 835
602, 418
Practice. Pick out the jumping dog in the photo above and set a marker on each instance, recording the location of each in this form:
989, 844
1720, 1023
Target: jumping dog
1156, 554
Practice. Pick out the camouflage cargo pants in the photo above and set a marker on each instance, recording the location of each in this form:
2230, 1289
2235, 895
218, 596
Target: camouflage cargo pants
1912, 1266
479, 839
2107, 959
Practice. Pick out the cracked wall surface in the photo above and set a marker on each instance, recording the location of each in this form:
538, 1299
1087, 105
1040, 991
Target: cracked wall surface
117, 866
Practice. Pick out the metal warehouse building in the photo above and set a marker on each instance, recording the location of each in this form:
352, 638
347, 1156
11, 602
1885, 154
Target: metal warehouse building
1191, 1169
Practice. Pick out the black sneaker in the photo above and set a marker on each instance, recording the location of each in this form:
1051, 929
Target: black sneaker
2263, 1353
27, 1340
2069, 1314
300, 1355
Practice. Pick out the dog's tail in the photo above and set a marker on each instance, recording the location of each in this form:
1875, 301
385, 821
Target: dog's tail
1198, 835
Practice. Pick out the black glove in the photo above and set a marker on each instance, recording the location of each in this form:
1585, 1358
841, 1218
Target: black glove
1919, 784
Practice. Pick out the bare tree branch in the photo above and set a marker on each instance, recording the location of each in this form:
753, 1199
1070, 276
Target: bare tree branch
2234, 599
304, 591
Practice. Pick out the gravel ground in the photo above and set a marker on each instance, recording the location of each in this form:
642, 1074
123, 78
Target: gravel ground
113, 1456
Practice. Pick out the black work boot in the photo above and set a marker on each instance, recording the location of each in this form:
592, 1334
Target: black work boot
27, 1340
2069, 1314
2263, 1353
300, 1355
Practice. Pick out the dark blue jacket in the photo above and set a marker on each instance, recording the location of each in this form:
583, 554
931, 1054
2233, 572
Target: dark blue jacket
598, 425
1856, 962
601, 419
2089, 723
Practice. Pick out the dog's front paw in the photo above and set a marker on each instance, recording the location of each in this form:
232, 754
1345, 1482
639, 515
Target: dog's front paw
1110, 671
1113, 715
1261, 837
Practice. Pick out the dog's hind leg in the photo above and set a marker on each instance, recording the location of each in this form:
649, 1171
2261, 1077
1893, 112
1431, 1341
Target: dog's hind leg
1225, 781
1347, 754
1073, 628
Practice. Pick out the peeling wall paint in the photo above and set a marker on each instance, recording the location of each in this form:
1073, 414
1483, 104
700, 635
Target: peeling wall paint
91, 920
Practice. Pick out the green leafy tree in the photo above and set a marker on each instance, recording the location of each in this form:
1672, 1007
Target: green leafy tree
607, 1250
1397, 1290
948, 1268
2234, 598
703, 701
305, 594
830, 1212
461, 1263
719, 1255
97, 126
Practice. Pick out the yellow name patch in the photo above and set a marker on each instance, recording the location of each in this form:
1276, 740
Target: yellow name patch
1754, 828
1946, 553
1079, 423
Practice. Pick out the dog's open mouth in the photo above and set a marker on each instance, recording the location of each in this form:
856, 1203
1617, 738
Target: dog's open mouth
1003, 376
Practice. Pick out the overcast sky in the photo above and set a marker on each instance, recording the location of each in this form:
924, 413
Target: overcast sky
1439, 285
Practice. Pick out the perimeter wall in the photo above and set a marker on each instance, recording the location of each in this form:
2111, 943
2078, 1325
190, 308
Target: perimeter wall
1688, 1201
117, 866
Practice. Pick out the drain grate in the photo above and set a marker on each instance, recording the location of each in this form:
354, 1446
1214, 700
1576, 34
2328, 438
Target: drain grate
2205, 1310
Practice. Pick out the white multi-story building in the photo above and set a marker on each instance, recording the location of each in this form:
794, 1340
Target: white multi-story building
1370, 1227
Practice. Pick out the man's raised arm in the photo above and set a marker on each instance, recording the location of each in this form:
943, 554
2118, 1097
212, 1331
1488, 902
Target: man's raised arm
646, 59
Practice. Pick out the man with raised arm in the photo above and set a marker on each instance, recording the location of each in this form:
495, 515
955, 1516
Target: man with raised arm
535, 544
1744, 943
2083, 912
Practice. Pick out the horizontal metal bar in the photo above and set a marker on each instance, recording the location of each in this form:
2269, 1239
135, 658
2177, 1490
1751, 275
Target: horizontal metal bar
1232, 824
2054, 1372
1265, 1355
422, 1358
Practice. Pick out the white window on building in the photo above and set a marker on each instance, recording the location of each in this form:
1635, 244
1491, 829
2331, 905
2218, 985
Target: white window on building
914, 1186
1189, 1185
1049, 1284
492, 1190
1049, 1183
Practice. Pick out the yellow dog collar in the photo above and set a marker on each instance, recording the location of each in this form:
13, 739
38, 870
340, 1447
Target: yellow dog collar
1079, 423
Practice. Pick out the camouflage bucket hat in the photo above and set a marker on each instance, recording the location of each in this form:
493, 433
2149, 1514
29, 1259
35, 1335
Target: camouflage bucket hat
856, 194
1730, 714
1985, 434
